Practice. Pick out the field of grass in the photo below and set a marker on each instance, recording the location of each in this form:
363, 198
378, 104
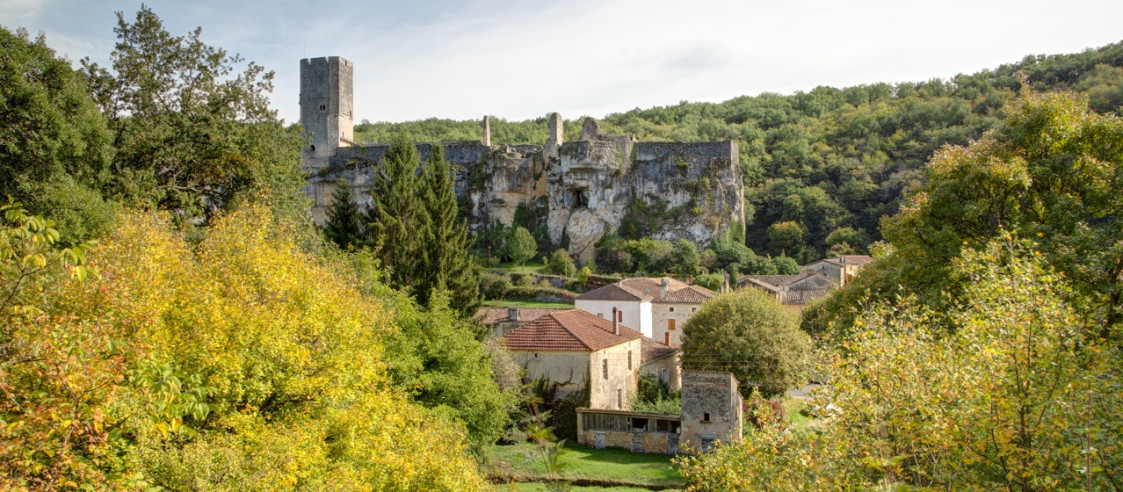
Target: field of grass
606, 467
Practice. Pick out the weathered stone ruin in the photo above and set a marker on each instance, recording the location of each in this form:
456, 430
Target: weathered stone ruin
584, 189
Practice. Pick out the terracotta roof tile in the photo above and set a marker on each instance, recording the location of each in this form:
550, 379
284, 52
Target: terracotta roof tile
652, 349
574, 329
691, 294
774, 282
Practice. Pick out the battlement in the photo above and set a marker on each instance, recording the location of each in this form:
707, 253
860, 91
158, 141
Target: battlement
579, 190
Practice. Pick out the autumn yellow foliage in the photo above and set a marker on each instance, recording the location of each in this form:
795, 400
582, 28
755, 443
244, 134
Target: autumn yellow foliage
238, 363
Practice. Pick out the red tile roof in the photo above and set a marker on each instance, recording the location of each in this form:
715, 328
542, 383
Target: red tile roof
652, 349
692, 294
572, 330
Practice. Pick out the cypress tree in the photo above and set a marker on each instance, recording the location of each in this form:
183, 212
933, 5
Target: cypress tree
344, 224
447, 264
397, 221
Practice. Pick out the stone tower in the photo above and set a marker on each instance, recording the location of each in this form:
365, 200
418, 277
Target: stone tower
325, 108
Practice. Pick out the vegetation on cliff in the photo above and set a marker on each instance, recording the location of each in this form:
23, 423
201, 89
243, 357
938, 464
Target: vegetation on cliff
832, 161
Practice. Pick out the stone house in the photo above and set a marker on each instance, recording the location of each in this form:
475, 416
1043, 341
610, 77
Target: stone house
656, 307
839, 269
575, 348
711, 409
793, 291
662, 361
711, 412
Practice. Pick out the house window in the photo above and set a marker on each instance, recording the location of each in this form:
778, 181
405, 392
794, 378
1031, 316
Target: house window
600, 315
323, 107
664, 379
672, 309
620, 316
671, 325
629, 360
604, 368
619, 398
693, 309
705, 417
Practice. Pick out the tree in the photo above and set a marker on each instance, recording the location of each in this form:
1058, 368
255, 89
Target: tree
1019, 395
344, 222
686, 258
1050, 170
436, 360
194, 133
561, 263
750, 334
397, 221
447, 265
55, 149
785, 265
786, 239
520, 246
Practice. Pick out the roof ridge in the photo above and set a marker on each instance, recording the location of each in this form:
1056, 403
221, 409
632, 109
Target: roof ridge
568, 329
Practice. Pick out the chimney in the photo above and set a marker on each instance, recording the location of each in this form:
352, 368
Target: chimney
513, 315
615, 322
487, 130
663, 287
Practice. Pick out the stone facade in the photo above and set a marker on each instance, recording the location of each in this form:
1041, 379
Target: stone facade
585, 188
667, 320
711, 409
635, 431
612, 383
325, 108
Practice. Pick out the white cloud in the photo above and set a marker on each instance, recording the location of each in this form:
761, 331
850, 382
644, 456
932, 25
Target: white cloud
17, 13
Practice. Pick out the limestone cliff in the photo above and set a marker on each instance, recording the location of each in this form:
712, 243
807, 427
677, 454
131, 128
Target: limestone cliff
587, 188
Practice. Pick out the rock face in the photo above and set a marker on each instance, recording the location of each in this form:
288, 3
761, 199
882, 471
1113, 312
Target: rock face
584, 189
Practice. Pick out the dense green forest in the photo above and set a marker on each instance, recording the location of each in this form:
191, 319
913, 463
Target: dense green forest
826, 165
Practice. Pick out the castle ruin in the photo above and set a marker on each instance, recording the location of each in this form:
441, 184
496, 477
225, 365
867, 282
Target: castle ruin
582, 190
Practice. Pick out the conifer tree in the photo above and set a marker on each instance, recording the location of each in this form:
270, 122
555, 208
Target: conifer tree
397, 220
344, 224
446, 262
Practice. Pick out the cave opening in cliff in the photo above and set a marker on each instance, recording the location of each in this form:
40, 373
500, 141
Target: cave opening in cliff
579, 198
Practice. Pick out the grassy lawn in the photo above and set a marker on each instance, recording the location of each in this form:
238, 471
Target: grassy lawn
529, 304
614, 465
792, 406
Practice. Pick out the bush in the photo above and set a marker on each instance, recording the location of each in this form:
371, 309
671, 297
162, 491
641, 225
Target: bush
761, 412
710, 281
561, 263
495, 285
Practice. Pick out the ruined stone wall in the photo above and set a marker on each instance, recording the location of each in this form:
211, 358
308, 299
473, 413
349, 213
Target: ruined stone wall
585, 189
711, 409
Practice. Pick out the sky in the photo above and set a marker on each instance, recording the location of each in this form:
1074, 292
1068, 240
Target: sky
524, 59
